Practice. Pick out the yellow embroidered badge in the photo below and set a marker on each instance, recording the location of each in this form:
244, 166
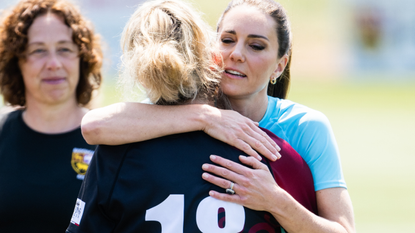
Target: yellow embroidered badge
81, 159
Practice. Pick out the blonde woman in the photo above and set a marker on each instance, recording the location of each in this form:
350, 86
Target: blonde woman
156, 185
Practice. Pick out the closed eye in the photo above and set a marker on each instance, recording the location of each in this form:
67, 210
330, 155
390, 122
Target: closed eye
257, 47
227, 41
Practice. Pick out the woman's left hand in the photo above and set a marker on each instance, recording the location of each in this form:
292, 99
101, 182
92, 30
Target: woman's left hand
254, 187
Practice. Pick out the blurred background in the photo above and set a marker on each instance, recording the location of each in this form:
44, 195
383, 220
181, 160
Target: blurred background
354, 60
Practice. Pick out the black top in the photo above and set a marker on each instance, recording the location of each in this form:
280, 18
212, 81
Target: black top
157, 186
40, 176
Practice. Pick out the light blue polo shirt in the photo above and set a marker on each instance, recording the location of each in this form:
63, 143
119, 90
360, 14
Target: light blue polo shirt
309, 132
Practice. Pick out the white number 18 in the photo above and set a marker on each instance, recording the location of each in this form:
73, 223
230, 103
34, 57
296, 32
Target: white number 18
170, 214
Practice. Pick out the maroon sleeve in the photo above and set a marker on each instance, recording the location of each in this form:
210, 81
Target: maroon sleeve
293, 175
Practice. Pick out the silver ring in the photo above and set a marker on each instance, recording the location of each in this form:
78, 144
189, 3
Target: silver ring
230, 190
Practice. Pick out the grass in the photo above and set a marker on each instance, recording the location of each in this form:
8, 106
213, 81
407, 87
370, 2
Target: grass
374, 124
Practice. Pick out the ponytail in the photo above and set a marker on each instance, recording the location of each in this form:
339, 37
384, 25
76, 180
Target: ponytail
167, 49
161, 70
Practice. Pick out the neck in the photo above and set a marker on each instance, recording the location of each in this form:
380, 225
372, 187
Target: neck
59, 118
253, 108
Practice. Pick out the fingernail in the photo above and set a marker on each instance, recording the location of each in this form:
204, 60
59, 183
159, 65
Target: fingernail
278, 148
205, 175
212, 157
205, 166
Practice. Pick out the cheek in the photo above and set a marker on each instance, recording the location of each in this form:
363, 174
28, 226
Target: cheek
28, 70
267, 65
75, 72
217, 59
225, 53
73, 67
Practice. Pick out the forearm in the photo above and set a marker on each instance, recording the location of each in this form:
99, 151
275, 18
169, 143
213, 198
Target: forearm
131, 122
123, 123
297, 219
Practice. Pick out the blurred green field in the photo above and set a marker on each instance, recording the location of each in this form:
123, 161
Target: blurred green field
374, 124
373, 120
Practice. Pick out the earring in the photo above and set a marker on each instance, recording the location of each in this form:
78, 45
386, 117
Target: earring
273, 81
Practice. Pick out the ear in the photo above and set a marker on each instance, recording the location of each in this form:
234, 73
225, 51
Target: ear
282, 63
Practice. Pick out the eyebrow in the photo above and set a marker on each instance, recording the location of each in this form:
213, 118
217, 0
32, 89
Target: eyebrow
59, 42
249, 36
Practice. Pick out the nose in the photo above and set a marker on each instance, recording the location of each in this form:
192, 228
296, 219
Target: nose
53, 62
238, 53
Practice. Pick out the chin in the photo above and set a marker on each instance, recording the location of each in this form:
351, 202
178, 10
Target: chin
232, 92
59, 97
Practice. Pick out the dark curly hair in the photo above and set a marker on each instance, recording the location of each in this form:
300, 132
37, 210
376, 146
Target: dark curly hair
14, 39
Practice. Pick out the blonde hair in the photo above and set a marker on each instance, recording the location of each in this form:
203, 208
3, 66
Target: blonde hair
168, 49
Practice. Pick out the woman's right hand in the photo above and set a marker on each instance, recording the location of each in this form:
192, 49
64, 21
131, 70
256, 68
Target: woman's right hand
236, 130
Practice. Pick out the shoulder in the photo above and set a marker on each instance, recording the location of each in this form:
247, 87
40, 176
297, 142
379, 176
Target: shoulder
110, 151
106, 163
7, 117
294, 114
286, 148
8, 109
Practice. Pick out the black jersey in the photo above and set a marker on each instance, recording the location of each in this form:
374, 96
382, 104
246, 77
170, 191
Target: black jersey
157, 186
40, 176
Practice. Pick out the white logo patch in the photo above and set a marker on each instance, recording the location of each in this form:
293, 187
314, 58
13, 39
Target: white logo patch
78, 212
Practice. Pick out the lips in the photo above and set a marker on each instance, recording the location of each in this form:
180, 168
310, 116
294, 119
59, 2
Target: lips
54, 80
235, 73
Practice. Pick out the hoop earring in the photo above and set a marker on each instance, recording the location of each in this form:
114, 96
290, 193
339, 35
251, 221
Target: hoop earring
273, 81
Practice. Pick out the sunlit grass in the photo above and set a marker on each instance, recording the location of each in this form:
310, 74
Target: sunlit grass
374, 125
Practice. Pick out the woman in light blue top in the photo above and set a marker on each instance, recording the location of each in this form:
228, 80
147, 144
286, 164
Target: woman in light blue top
254, 41
309, 132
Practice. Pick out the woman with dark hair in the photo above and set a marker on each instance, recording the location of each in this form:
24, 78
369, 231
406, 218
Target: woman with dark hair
254, 39
156, 185
50, 65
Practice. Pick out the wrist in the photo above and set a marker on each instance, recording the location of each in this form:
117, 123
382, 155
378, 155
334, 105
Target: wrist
281, 204
202, 116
